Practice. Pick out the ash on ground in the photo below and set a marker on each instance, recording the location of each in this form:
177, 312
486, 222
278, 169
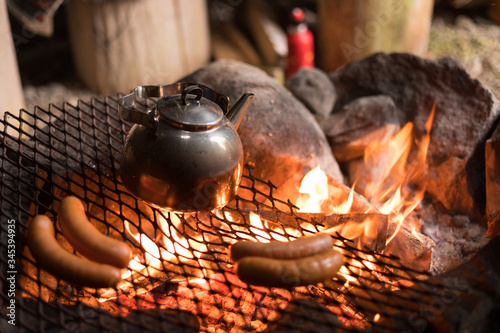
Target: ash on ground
457, 238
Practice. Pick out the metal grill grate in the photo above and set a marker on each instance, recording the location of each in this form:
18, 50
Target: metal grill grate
75, 150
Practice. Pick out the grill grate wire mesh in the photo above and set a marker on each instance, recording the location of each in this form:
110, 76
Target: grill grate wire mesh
65, 150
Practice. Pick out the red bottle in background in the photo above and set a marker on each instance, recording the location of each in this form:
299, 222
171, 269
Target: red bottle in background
300, 43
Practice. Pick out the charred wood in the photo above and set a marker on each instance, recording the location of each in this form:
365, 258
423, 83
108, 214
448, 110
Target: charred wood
359, 123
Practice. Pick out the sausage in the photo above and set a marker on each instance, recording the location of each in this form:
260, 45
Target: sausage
269, 272
86, 239
301, 247
53, 258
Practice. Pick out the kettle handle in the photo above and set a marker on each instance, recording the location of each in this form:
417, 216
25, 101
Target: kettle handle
128, 112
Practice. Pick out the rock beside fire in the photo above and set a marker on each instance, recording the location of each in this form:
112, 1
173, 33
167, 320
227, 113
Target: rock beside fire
313, 87
465, 114
280, 136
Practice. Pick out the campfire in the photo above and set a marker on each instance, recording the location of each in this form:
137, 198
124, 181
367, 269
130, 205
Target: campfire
181, 278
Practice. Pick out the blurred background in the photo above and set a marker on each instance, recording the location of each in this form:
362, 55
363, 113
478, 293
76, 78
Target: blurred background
57, 51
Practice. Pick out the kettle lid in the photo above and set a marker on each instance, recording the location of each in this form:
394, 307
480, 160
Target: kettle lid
190, 111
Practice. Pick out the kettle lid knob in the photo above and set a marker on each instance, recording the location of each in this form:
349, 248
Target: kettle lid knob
190, 111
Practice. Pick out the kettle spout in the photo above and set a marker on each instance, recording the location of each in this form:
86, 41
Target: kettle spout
235, 115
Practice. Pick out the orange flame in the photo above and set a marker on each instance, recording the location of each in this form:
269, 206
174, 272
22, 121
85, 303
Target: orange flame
390, 175
314, 189
315, 185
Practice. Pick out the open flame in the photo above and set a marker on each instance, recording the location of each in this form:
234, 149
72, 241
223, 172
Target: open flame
315, 185
388, 188
391, 189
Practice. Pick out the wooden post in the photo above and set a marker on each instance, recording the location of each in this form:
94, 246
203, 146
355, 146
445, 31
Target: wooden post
11, 90
494, 10
118, 45
354, 29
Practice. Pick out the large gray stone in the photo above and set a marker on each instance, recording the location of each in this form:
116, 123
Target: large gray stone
280, 136
312, 87
466, 114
